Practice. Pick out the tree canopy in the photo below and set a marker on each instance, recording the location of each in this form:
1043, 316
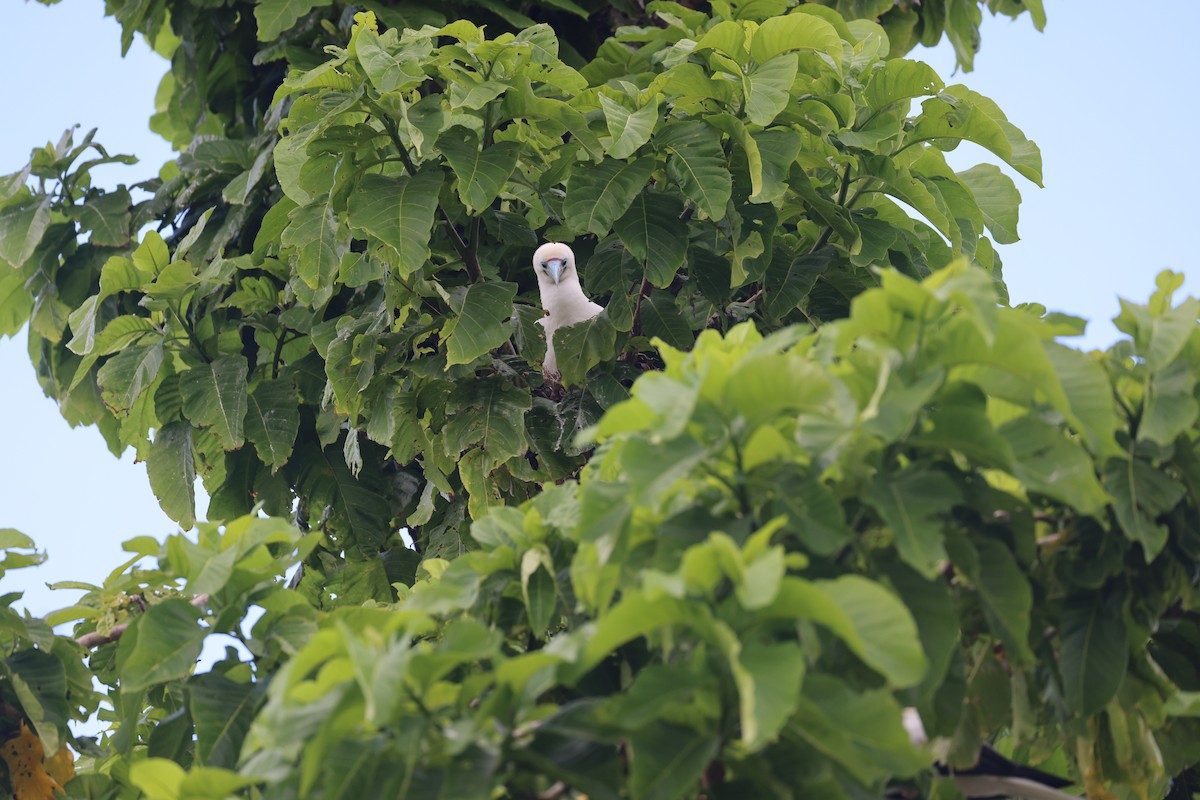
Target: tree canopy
806, 468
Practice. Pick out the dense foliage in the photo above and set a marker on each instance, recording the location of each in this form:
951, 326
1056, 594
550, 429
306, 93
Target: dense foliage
712, 561
356, 334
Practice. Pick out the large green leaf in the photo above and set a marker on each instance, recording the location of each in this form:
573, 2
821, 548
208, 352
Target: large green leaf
313, 232
214, 395
1169, 407
272, 420
223, 710
913, 505
775, 672
656, 236
1053, 465
480, 321
15, 302
1141, 495
126, 375
998, 199
399, 211
598, 194
697, 165
488, 413
629, 129
900, 79
666, 761
780, 34
481, 173
21, 229
172, 471
769, 87
860, 731
1003, 589
872, 622
39, 682
1095, 650
276, 16
162, 645
579, 347
107, 218
355, 505
959, 113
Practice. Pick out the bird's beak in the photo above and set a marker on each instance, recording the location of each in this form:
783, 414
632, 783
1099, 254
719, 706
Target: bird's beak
555, 265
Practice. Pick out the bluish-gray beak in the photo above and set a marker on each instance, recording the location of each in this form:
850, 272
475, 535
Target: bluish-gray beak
555, 265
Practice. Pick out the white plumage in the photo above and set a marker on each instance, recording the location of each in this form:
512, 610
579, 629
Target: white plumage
994, 775
563, 299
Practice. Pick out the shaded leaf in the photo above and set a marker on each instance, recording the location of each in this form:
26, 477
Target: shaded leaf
399, 211
172, 472
272, 420
162, 645
214, 395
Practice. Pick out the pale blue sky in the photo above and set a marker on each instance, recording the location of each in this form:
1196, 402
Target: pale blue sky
1098, 91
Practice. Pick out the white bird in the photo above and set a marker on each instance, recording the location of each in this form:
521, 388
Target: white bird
563, 299
993, 775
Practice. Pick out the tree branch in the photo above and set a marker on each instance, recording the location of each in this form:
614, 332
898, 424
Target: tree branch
95, 638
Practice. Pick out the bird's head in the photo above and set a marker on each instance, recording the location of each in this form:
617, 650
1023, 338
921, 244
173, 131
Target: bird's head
554, 261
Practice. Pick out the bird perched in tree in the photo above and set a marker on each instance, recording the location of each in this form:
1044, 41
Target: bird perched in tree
563, 299
994, 776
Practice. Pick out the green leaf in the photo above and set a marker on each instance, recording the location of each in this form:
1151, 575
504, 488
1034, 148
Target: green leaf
581, 346
777, 151
1003, 588
107, 218
1053, 465
399, 211
764, 387
223, 710
656, 236
775, 671
900, 79
1095, 650
782, 34
481, 173
913, 504
172, 471
666, 761
1169, 407
126, 375
538, 590
276, 16
860, 731
598, 194
39, 681
697, 165
15, 302
162, 645
313, 232
998, 199
1141, 494
488, 413
662, 319
1093, 412
272, 421
480, 321
790, 278
629, 130
959, 113
21, 230
214, 395
356, 505
769, 87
